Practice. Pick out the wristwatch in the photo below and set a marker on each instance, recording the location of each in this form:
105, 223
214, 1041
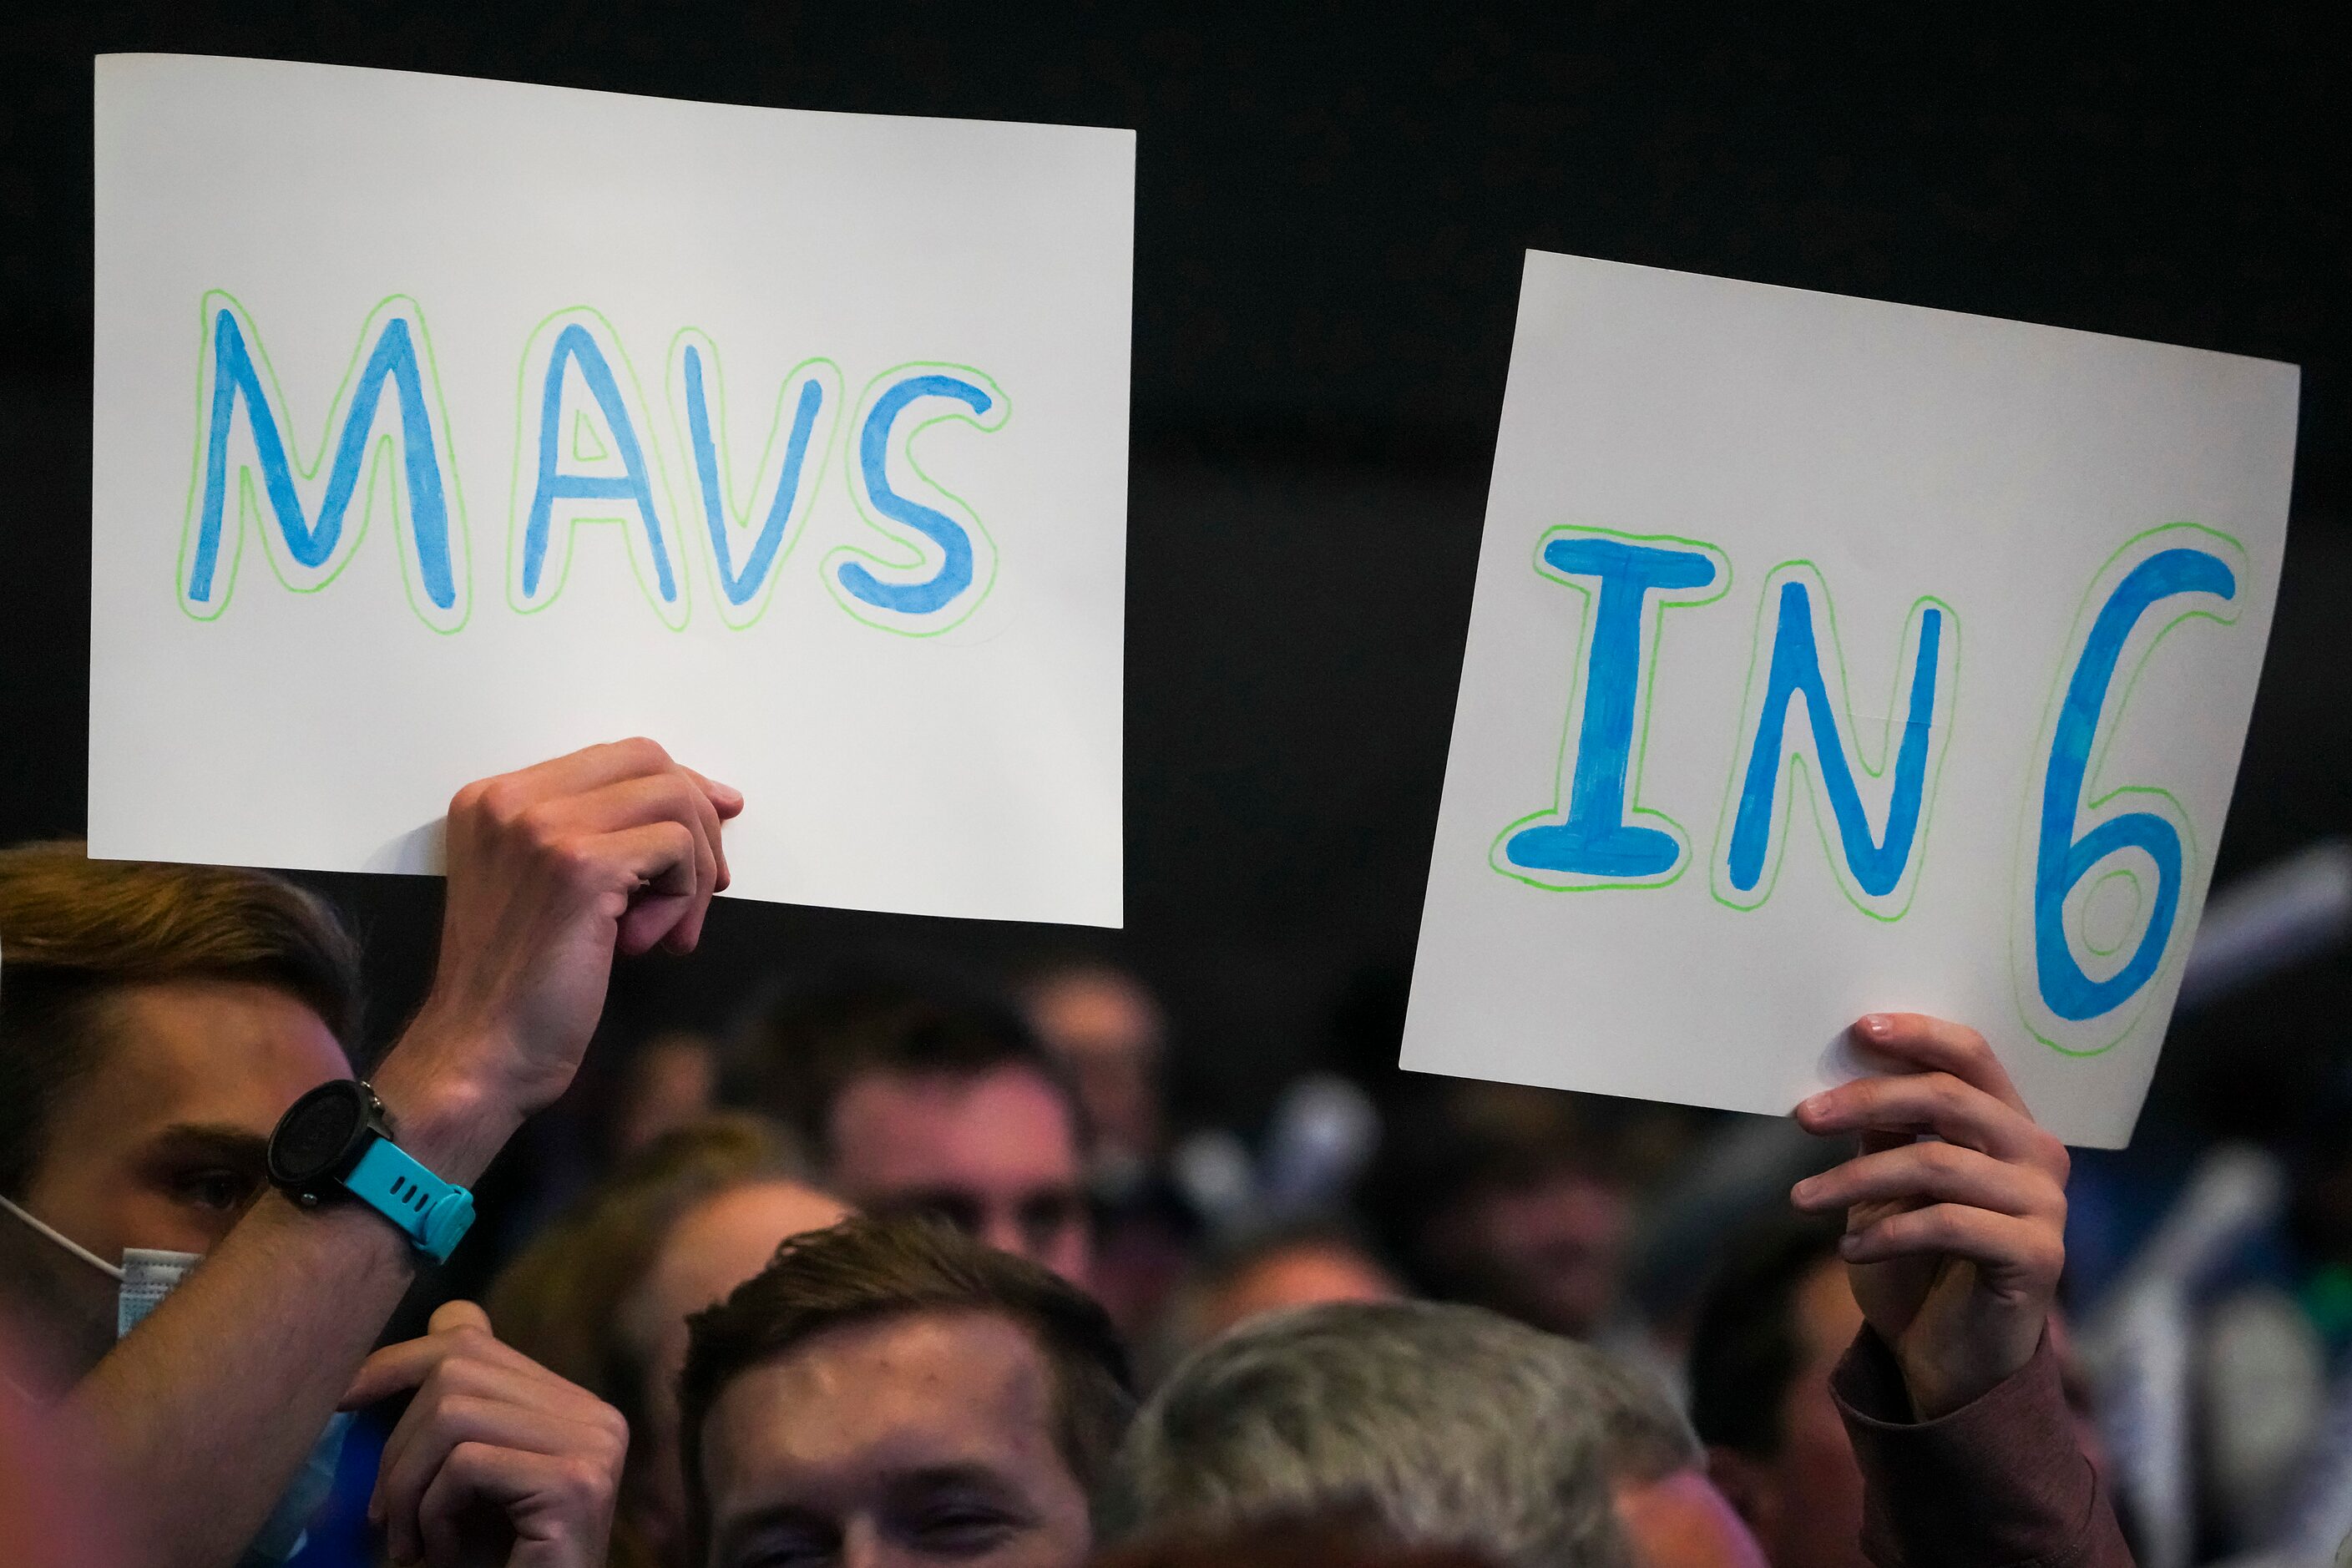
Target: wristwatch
337, 1140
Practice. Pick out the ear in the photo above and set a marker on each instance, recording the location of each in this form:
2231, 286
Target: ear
1749, 1485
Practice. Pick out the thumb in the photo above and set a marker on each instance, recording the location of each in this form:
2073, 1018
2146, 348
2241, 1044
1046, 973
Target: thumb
398, 1368
451, 1316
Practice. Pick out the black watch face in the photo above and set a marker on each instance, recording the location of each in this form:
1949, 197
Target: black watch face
316, 1132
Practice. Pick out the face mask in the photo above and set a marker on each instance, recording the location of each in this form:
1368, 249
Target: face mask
146, 1275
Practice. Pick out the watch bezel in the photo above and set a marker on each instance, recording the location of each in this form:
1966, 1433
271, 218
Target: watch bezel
366, 1112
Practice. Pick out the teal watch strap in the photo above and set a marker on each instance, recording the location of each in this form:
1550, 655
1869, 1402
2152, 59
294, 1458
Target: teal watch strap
432, 1213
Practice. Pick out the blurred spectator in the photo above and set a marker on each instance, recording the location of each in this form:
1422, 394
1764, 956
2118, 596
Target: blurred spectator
887, 1390
1109, 1032
602, 1297
1291, 1266
1770, 1330
1459, 1426
668, 1081
922, 1095
1509, 1198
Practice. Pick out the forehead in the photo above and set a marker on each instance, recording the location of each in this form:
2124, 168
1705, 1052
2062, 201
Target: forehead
726, 1238
219, 1052
893, 1131
837, 1419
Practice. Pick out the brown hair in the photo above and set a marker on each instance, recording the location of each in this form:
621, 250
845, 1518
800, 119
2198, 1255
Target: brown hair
562, 1301
74, 931
869, 1018
867, 1268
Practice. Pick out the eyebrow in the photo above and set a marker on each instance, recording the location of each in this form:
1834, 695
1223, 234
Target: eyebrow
230, 1144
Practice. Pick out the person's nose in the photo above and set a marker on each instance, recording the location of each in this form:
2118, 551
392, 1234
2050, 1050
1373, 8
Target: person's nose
1000, 1229
862, 1545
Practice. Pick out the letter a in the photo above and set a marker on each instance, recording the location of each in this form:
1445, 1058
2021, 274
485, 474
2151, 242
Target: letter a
1587, 841
581, 461
1877, 872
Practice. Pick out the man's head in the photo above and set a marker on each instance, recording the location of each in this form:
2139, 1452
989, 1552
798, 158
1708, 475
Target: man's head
926, 1097
1511, 1198
1109, 1032
602, 1297
1769, 1331
155, 1021
1296, 1265
890, 1390
1455, 1426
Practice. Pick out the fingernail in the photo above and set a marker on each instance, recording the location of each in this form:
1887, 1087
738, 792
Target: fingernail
728, 794
1847, 1243
1877, 1025
1802, 1190
1814, 1105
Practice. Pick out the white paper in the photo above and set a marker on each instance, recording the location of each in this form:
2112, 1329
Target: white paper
918, 724
1999, 481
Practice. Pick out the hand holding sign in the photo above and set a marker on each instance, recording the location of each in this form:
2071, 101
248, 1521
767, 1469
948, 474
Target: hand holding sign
552, 870
1954, 1240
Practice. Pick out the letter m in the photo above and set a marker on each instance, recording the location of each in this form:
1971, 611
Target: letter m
250, 477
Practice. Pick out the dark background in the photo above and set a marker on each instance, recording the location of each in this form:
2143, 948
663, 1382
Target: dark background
1332, 204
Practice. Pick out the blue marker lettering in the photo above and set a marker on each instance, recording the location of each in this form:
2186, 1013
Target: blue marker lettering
1874, 868
393, 352
2062, 859
1592, 843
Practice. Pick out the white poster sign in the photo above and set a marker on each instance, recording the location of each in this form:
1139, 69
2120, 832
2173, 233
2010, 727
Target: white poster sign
443, 425
1832, 656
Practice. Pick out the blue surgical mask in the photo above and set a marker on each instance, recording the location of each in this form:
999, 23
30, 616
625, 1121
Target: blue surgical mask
147, 1275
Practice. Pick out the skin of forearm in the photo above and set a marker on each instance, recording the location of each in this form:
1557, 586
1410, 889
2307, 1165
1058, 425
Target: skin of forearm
199, 1418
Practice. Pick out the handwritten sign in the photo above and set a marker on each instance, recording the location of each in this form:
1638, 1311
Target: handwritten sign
443, 425
1831, 656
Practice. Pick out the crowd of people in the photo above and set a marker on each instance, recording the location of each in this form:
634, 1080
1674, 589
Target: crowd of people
914, 1271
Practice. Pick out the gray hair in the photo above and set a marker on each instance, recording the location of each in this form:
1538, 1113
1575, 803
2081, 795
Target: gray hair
1453, 1425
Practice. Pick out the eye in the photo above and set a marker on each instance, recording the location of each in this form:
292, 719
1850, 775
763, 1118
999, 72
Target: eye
962, 1529
216, 1189
1045, 1216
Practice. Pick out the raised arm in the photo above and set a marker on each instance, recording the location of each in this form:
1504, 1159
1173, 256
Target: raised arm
203, 1412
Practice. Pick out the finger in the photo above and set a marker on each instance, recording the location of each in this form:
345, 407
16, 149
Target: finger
391, 1369
1938, 1045
569, 1499
2026, 1251
1933, 1102
591, 767
727, 802
408, 1364
471, 1366
427, 1435
635, 803
1932, 1172
726, 798
451, 1316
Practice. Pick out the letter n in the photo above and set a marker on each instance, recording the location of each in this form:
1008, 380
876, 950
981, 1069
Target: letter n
387, 434
584, 457
1597, 835
1799, 659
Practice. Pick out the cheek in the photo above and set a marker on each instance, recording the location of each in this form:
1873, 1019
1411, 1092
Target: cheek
155, 1216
